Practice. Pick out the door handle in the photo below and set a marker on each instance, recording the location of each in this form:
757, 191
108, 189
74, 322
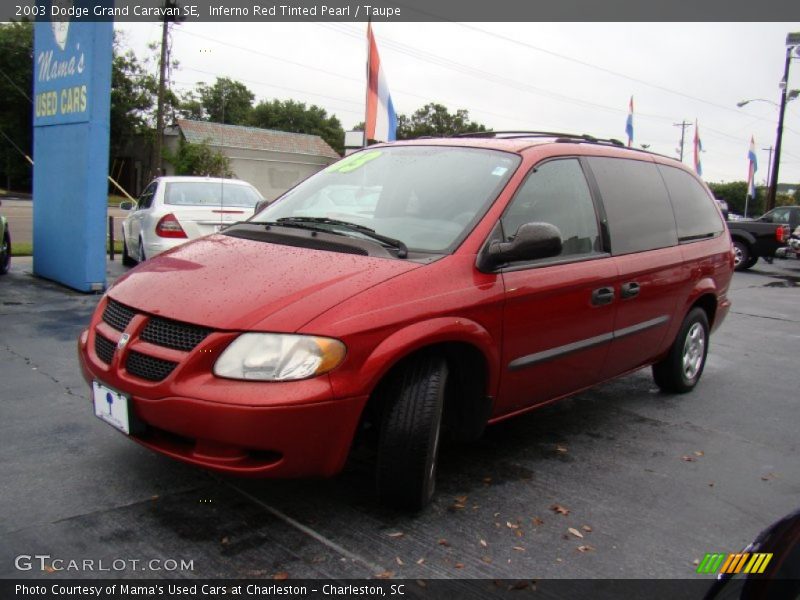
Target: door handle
603, 295
630, 289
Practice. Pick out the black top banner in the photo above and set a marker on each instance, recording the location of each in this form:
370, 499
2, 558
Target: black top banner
402, 11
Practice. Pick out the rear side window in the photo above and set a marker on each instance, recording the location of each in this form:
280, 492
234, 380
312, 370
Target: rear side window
695, 213
556, 192
637, 205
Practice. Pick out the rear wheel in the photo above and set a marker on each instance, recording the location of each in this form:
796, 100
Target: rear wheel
126, 257
680, 371
5, 253
141, 257
410, 431
742, 256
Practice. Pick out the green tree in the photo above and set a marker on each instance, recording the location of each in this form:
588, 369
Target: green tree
227, 101
16, 91
435, 120
199, 159
734, 193
288, 115
133, 98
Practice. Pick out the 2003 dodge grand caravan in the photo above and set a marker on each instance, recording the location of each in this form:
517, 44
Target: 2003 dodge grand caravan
416, 288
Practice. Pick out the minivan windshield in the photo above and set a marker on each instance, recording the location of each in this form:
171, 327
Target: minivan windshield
210, 193
427, 197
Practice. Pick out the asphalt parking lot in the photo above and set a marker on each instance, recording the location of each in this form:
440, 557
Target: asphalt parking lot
618, 482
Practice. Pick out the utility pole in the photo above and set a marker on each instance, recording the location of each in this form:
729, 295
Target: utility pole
683, 125
792, 41
161, 89
769, 164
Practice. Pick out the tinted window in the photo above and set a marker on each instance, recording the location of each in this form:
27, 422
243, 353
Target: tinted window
556, 192
695, 213
779, 215
637, 205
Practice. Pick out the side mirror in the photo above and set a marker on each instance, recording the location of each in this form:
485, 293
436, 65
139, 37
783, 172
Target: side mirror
261, 205
532, 241
126, 205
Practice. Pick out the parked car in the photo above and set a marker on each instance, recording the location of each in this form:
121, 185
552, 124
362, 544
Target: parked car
173, 210
476, 279
5, 245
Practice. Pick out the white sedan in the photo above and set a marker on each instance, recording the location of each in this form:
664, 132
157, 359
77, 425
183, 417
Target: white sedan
174, 210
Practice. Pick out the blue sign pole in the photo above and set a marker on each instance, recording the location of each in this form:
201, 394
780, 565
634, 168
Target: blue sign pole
72, 98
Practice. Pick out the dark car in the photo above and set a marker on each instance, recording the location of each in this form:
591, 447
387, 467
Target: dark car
459, 282
783, 215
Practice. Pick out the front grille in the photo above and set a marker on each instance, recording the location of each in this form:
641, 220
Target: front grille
173, 334
104, 348
118, 315
147, 367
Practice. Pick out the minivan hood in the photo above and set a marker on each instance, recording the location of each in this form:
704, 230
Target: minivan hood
231, 283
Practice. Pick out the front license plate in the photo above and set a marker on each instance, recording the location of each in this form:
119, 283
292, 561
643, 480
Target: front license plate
111, 407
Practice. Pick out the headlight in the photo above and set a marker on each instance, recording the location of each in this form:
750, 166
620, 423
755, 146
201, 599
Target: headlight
278, 357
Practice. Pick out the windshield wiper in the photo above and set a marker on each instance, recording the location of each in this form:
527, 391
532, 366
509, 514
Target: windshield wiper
309, 223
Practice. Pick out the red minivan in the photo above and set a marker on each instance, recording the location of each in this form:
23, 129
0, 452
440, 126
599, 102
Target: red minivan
417, 289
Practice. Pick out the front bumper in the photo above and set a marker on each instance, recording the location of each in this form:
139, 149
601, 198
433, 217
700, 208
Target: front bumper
255, 429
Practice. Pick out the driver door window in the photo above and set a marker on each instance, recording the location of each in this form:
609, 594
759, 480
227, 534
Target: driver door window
556, 192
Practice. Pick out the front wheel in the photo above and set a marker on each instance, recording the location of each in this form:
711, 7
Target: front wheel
680, 371
410, 431
126, 257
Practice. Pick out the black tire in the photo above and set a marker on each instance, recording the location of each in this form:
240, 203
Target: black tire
753, 260
141, 258
680, 371
742, 256
126, 257
410, 431
5, 253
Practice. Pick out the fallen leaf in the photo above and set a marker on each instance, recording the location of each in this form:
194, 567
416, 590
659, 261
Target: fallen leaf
696, 562
421, 583
519, 548
399, 561
511, 525
483, 543
768, 476
396, 534
557, 508
575, 532
280, 576
385, 575
518, 533
562, 449
225, 541
459, 565
487, 480
537, 521
587, 528
586, 548
688, 458
699, 453
487, 559
421, 561
461, 499
443, 542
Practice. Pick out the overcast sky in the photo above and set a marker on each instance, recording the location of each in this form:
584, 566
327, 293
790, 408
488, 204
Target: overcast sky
571, 77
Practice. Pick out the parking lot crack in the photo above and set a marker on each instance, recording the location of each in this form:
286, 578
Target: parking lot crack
341, 550
744, 314
36, 368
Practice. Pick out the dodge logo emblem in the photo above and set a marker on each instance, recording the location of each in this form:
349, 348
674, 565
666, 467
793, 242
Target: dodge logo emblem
123, 341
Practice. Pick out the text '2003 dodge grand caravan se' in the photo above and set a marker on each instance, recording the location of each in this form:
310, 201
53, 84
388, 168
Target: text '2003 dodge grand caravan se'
416, 289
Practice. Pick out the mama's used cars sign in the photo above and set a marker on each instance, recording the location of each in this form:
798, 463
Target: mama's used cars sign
72, 91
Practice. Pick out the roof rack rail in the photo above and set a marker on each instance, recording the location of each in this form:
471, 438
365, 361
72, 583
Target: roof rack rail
560, 136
